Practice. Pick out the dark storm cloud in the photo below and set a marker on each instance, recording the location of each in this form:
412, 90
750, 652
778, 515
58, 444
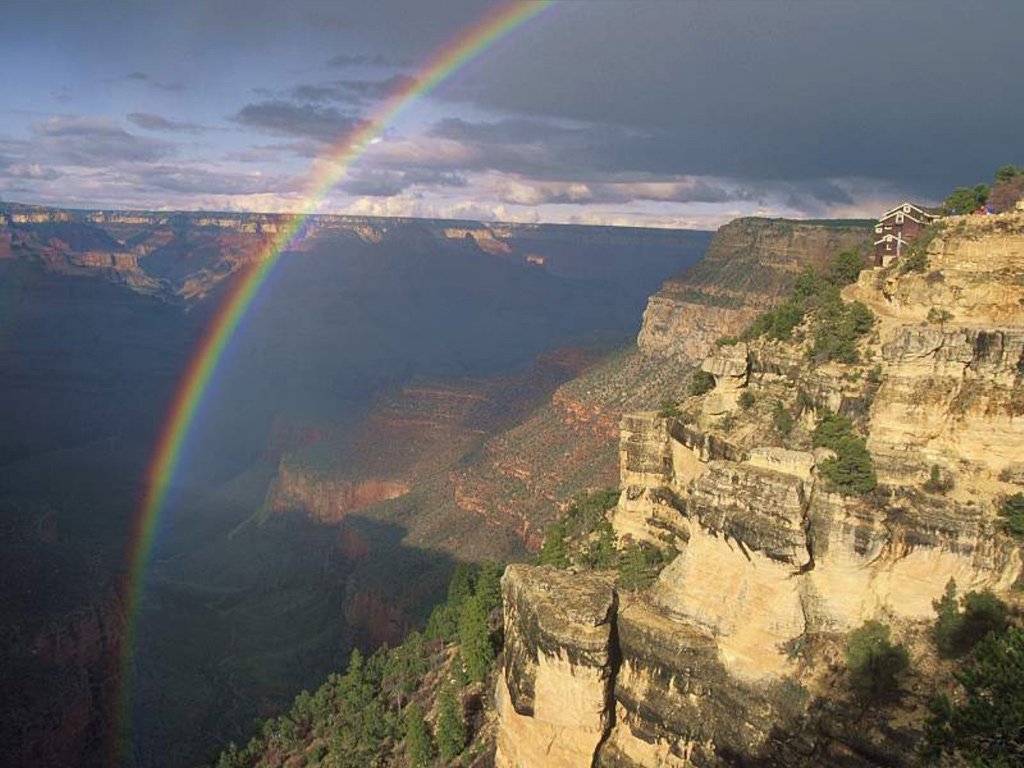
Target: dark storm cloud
153, 122
388, 183
350, 92
88, 141
303, 120
347, 60
920, 92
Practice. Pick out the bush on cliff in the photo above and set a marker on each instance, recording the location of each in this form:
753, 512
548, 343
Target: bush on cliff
874, 664
701, 383
850, 471
640, 564
984, 724
956, 632
1012, 512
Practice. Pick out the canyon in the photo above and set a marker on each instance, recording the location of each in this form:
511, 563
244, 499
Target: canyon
380, 352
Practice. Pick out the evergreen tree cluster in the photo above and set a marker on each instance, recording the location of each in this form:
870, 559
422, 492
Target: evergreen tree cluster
850, 471
359, 718
584, 538
874, 662
836, 325
982, 724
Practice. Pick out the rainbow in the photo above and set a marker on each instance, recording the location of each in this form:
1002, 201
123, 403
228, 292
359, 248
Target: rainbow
333, 166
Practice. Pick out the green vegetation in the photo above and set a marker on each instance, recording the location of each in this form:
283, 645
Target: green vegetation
850, 472
1012, 512
847, 268
836, 326
1008, 173
874, 664
451, 726
782, 420
669, 409
726, 341
966, 199
746, 400
956, 632
639, 565
1006, 191
936, 483
984, 724
778, 323
419, 745
939, 316
584, 538
355, 718
701, 383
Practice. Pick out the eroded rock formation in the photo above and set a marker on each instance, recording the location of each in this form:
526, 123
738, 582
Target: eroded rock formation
731, 657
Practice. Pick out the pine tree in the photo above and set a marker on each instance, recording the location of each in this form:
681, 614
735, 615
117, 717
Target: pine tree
451, 728
475, 638
418, 744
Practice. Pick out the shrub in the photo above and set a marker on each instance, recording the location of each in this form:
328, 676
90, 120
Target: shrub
966, 200
939, 316
850, 472
956, 632
830, 429
640, 564
1012, 512
873, 662
936, 483
746, 400
451, 727
782, 420
836, 328
669, 410
726, 341
1006, 194
570, 541
419, 746
554, 550
985, 727
778, 323
1007, 172
701, 383
847, 267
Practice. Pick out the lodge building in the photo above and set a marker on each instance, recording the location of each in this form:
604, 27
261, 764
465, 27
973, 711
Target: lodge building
897, 229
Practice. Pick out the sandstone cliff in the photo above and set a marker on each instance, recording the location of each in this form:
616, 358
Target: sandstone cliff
732, 656
750, 265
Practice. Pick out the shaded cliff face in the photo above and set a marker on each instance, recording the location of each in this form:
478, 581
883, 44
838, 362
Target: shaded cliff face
733, 655
750, 266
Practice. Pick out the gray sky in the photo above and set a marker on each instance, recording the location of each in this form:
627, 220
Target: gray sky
666, 113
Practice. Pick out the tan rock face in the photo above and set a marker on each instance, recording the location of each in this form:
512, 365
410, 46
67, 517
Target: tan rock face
554, 696
750, 266
770, 555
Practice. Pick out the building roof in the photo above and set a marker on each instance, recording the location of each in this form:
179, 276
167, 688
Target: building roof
931, 213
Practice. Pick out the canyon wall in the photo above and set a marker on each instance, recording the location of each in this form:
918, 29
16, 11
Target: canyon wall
750, 266
733, 656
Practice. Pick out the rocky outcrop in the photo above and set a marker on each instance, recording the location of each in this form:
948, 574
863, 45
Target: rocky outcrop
732, 656
554, 697
750, 265
324, 498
